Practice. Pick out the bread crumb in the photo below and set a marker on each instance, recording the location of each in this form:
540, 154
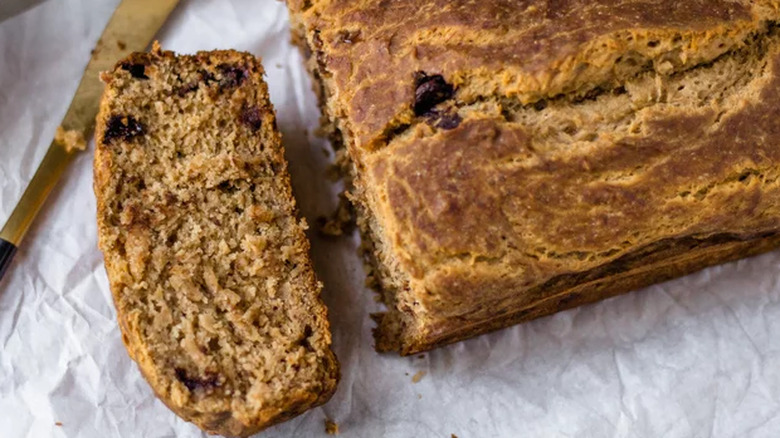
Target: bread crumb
417, 377
331, 428
340, 222
58, 423
339, 169
71, 140
419, 396
422, 356
452, 435
121, 44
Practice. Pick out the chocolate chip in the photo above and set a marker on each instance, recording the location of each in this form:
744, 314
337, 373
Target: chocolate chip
137, 71
253, 117
208, 382
430, 91
206, 76
122, 127
449, 121
232, 75
443, 120
186, 89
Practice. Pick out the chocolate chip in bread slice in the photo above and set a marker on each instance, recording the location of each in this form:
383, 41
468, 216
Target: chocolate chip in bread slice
207, 260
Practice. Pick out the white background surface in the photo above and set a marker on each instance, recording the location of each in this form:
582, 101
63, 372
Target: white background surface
696, 357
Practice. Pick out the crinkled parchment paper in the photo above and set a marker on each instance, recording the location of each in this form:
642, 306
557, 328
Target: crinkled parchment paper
699, 356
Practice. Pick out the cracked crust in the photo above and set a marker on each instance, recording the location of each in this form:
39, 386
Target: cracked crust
208, 264
587, 148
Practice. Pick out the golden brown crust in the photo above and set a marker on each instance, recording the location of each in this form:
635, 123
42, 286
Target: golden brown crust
147, 193
655, 264
370, 50
506, 152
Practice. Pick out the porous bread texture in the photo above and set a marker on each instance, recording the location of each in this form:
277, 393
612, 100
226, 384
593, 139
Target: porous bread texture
512, 159
208, 263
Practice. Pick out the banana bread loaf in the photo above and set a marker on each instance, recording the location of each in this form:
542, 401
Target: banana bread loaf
513, 158
208, 264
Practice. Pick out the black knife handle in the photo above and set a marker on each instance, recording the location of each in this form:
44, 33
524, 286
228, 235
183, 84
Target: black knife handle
7, 251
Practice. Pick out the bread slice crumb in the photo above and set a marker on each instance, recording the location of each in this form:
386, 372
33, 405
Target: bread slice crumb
417, 377
207, 259
71, 140
331, 428
340, 222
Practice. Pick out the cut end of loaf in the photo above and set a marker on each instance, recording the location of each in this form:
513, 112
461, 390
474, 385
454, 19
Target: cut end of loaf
208, 264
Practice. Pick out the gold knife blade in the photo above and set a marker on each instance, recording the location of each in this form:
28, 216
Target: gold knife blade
130, 29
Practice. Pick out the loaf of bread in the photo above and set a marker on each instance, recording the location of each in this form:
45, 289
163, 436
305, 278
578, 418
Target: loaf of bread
208, 264
515, 158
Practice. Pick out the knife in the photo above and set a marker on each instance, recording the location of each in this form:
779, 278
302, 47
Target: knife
131, 29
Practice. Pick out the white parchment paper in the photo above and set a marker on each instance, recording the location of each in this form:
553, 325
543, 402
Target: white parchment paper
695, 357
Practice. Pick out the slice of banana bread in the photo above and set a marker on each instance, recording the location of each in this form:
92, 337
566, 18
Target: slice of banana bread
208, 263
515, 158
